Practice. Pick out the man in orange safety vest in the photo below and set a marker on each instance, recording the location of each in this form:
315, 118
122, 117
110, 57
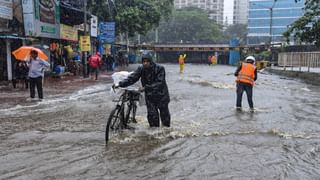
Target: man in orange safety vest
182, 58
246, 75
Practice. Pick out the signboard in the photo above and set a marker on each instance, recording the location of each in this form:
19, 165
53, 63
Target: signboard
68, 33
28, 17
41, 18
107, 32
94, 26
6, 9
85, 43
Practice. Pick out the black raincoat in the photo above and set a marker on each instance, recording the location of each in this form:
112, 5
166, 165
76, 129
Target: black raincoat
156, 92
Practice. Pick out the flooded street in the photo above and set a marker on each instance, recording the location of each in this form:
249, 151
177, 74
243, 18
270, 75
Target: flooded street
62, 137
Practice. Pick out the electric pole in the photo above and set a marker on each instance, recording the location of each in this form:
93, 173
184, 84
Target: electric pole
85, 66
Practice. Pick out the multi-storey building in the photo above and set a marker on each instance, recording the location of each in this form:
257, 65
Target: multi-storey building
240, 11
214, 7
269, 19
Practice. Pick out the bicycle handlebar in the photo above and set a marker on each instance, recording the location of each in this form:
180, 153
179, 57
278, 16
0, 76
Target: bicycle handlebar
127, 89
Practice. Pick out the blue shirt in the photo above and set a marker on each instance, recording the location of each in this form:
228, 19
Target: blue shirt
37, 67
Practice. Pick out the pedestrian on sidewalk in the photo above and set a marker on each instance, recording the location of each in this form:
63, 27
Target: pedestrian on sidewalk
110, 62
95, 63
246, 75
37, 67
21, 75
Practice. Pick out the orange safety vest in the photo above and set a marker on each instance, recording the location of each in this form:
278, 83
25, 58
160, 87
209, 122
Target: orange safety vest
246, 74
213, 59
181, 60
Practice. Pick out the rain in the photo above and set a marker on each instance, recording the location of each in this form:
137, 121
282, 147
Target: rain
59, 60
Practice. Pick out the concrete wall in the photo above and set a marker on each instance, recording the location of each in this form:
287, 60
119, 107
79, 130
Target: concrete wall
309, 77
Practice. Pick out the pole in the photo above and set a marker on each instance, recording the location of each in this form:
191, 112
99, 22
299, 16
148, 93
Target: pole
127, 42
9, 60
85, 67
157, 35
270, 31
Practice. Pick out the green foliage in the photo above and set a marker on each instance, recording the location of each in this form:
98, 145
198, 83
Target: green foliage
189, 25
103, 9
132, 16
238, 31
307, 28
135, 16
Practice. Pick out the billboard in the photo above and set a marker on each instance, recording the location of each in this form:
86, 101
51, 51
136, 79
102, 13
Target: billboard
107, 32
6, 9
41, 18
68, 33
85, 44
94, 26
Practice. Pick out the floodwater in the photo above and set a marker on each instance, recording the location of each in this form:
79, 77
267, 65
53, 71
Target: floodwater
62, 137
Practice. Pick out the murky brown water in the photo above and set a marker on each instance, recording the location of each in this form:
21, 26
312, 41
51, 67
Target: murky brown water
63, 137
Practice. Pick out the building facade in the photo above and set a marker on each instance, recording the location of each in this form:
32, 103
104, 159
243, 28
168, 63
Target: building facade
240, 11
269, 19
214, 7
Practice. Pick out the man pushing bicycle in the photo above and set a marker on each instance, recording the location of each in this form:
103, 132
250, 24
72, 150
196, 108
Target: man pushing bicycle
154, 85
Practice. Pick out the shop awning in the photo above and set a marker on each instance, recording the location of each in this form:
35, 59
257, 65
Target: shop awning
13, 37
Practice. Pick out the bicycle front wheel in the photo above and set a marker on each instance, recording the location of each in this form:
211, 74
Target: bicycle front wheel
114, 124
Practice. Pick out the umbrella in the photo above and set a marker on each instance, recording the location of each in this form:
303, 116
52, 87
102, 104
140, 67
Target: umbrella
23, 53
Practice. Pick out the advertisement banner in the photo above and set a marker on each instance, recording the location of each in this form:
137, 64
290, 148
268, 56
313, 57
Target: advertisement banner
41, 18
68, 33
94, 26
28, 17
6, 9
49, 18
107, 32
85, 43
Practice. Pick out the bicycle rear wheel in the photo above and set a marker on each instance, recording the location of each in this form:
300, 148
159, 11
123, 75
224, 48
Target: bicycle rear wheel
115, 122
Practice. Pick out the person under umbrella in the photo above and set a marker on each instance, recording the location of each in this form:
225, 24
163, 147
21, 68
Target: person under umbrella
36, 73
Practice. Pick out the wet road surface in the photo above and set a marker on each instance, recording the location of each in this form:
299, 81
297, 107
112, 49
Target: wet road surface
62, 137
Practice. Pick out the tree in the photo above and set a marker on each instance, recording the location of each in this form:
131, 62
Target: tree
132, 16
307, 28
189, 25
236, 31
103, 9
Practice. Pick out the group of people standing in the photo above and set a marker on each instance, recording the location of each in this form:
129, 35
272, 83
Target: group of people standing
153, 82
97, 63
152, 77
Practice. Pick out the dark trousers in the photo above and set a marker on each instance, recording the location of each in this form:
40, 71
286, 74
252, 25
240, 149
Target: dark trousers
153, 114
94, 71
248, 89
33, 83
23, 80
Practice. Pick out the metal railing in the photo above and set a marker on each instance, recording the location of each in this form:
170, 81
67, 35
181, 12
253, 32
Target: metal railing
299, 60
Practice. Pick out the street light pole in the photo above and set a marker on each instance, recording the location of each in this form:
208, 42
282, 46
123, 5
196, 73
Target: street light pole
85, 67
270, 31
271, 19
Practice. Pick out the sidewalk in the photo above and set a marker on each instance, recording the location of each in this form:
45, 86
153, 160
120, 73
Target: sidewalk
312, 76
52, 87
302, 69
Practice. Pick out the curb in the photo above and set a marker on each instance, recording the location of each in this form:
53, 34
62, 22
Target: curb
309, 77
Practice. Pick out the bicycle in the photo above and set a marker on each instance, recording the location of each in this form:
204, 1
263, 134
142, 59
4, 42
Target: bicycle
124, 112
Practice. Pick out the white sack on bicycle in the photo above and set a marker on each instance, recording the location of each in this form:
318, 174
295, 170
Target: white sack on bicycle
121, 75
117, 77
